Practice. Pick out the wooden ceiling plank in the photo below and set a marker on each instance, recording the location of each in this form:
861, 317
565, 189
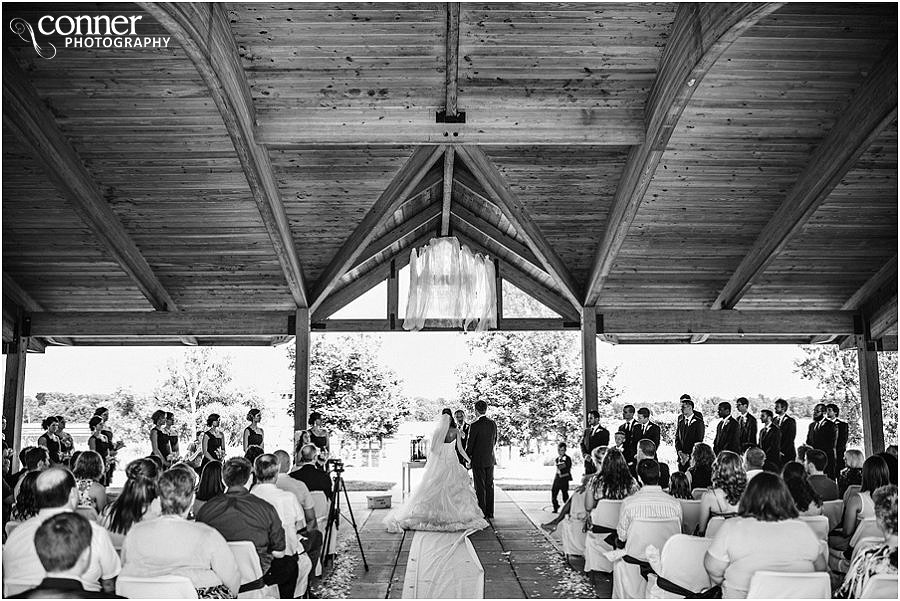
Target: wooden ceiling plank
205, 35
448, 184
452, 61
132, 324
418, 221
512, 208
884, 318
14, 292
701, 34
398, 190
727, 322
872, 109
510, 244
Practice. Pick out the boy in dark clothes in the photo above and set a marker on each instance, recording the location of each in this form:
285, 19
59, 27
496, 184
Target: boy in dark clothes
563, 476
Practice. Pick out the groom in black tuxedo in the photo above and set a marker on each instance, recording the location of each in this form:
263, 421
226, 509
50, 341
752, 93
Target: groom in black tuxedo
480, 449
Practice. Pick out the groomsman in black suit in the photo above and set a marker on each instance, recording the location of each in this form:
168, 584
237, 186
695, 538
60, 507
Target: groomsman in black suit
594, 436
822, 435
770, 439
631, 439
645, 428
728, 432
459, 416
480, 449
788, 427
689, 430
747, 423
832, 411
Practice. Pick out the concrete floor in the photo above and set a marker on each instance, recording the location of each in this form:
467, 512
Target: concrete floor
520, 560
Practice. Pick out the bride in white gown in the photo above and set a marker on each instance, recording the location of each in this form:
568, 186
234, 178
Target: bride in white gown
445, 499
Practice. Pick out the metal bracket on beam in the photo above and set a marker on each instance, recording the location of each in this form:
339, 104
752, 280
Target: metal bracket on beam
600, 329
443, 117
292, 324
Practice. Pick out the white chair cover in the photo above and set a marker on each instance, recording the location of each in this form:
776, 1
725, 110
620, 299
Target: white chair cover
304, 567
789, 585
158, 587
322, 507
248, 565
12, 586
851, 490
571, 530
643, 532
881, 586
834, 511
866, 528
713, 525
690, 515
819, 525
698, 493
681, 562
606, 513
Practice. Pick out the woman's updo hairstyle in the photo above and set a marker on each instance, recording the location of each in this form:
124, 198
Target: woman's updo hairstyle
95, 421
100, 410
212, 418
252, 414
313, 418
48, 421
448, 412
158, 415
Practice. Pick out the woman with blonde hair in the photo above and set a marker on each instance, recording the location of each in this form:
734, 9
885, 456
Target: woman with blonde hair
852, 474
728, 482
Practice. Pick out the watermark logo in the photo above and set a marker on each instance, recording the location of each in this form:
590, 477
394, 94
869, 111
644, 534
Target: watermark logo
85, 31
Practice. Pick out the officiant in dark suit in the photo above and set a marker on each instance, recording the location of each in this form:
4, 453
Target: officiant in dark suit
594, 436
459, 416
480, 449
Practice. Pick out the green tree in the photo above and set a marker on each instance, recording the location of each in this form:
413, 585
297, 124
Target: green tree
836, 374
351, 389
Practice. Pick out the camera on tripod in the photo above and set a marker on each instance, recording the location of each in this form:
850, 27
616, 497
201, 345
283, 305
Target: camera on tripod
337, 466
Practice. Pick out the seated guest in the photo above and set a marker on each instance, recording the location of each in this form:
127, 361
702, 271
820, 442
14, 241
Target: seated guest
36, 460
136, 502
806, 499
211, 484
646, 449
728, 483
754, 461
57, 494
296, 488
700, 471
801, 452
265, 469
649, 502
881, 559
852, 474
613, 481
14, 478
63, 546
308, 473
860, 506
680, 487
816, 461
891, 460
619, 438
238, 515
26, 504
88, 472
172, 545
766, 536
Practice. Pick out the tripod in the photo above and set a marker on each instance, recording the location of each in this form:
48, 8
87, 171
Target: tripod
334, 518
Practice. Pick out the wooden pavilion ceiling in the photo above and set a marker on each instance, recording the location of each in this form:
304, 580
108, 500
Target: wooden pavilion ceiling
639, 156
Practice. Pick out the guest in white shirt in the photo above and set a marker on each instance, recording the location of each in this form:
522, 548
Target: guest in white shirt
57, 493
296, 488
765, 536
265, 469
649, 502
754, 460
172, 545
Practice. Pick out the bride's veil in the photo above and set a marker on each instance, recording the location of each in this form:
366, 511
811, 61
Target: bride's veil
442, 425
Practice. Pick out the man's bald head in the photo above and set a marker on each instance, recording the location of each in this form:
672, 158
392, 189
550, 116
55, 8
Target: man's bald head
53, 488
284, 461
308, 453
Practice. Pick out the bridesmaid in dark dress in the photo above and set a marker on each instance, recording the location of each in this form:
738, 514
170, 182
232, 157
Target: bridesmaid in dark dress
49, 440
159, 440
319, 437
99, 443
173, 435
114, 447
213, 441
253, 434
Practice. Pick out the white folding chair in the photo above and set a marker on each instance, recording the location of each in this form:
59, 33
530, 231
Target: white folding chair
322, 507
604, 515
690, 516
834, 511
247, 561
866, 528
643, 532
157, 587
11, 586
851, 490
571, 529
880, 586
819, 525
698, 493
681, 564
713, 525
767, 584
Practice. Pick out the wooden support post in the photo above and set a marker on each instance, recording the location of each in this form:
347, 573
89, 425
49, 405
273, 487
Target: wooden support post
301, 371
14, 391
589, 358
498, 286
870, 395
393, 296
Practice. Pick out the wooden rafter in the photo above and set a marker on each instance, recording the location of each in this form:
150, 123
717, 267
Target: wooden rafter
205, 35
452, 60
873, 107
421, 220
474, 227
26, 114
701, 34
725, 322
448, 190
512, 208
398, 190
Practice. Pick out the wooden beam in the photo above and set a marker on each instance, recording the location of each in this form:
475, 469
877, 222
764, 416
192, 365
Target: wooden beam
512, 208
489, 230
873, 108
448, 185
421, 160
203, 31
524, 281
451, 69
20, 298
884, 318
700, 35
14, 388
589, 359
870, 396
301, 370
393, 294
512, 324
132, 324
417, 222
726, 322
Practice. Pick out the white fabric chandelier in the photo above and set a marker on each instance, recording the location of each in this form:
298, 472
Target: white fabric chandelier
449, 286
